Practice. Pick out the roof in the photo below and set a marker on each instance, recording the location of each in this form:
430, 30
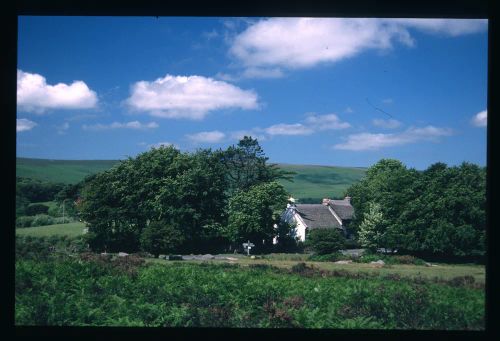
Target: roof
317, 216
343, 208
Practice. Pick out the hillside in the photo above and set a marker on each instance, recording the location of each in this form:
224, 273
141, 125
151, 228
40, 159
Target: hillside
311, 181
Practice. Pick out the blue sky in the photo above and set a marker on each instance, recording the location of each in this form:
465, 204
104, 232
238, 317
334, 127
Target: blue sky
329, 91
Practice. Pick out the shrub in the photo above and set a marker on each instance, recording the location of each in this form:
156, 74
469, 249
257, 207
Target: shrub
325, 241
161, 237
42, 220
24, 221
331, 257
34, 209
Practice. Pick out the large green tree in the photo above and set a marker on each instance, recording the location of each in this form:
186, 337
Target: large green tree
246, 165
253, 213
163, 184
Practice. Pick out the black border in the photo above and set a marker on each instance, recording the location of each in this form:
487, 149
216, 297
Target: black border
344, 8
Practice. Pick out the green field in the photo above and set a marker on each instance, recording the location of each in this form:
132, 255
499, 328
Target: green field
70, 230
311, 181
319, 182
65, 171
73, 292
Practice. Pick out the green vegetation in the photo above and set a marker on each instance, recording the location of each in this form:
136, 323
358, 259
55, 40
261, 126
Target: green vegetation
437, 213
71, 229
98, 291
325, 241
313, 183
64, 171
310, 183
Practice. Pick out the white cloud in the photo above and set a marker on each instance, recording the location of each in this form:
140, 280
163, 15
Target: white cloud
136, 125
369, 141
450, 27
190, 97
289, 129
35, 95
348, 110
304, 42
325, 122
207, 137
254, 72
23, 124
388, 124
480, 119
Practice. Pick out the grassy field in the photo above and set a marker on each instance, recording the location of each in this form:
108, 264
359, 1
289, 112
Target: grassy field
441, 271
310, 181
70, 230
320, 181
96, 292
65, 171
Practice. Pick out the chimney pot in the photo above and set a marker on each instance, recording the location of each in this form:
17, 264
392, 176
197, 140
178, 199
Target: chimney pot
348, 199
326, 201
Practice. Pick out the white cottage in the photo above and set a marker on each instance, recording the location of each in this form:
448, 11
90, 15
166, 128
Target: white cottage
330, 214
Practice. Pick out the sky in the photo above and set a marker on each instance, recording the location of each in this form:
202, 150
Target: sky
322, 91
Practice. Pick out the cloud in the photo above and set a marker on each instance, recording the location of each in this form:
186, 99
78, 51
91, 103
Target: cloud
388, 101
254, 72
348, 110
295, 43
369, 141
256, 133
190, 97
480, 119
35, 95
207, 137
289, 129
325, 122
450, 27
62, 128
388, 124
23, 124
136, 125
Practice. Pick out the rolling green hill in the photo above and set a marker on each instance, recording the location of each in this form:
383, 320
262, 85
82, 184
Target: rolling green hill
311, 181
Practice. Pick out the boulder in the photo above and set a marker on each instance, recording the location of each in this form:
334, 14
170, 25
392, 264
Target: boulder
175, 257
378, 264
343, 262
207, 256
252, 257
162, 256
122, 254
231, 258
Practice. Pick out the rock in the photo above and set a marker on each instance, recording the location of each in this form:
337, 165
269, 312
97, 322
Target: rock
122, 254
378, 264
428, 264
175, 257
252, 257
207, 256
231, 258
162, 257
343, 262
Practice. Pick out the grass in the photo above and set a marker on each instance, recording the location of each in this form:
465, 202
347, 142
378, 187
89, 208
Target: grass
70, 230
311, 181
65, 171
319, 182
442, 271
96, 291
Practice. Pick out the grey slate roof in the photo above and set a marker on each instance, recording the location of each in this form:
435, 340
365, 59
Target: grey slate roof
317, 216
343, 208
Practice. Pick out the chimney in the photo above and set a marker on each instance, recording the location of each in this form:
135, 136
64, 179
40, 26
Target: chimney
348, 199
326, 201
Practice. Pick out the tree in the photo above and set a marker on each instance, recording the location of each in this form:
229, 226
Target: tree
253, 213
372, 228
161, 237
287, 241
246, 166
325, 240
188, 190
